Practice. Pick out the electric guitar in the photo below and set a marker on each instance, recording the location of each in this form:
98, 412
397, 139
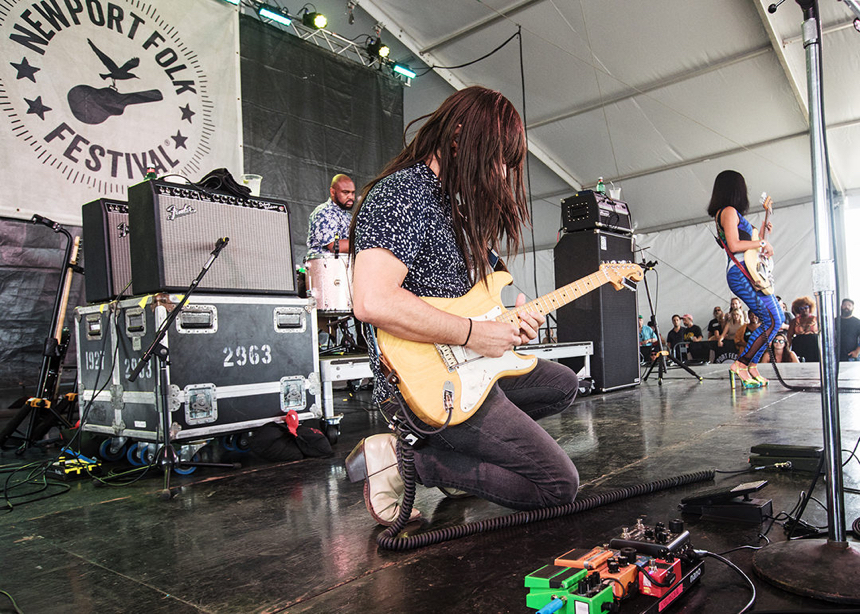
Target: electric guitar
446, 384
760, 267
59, 341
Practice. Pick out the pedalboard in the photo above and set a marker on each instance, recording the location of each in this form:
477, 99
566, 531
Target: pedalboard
657, 562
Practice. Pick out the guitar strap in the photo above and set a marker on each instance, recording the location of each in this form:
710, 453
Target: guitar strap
721, 241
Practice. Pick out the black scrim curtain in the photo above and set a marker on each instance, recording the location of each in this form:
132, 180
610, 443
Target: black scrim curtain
309, 114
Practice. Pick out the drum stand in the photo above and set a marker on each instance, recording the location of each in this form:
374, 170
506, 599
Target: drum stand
166, 455
338, 330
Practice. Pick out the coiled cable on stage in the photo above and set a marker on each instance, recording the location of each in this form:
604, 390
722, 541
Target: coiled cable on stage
390, 539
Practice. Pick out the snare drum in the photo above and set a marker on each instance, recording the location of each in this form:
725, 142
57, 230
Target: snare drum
328, 282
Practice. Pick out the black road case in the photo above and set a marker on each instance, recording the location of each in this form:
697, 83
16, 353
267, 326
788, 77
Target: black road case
236, 362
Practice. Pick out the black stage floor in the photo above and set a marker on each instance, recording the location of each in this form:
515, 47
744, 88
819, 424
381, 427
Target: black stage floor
295, 537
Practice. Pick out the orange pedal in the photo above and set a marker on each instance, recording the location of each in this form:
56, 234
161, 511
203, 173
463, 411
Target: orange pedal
582, 558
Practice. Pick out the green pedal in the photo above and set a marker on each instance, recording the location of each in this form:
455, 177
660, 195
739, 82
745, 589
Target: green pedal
581, 596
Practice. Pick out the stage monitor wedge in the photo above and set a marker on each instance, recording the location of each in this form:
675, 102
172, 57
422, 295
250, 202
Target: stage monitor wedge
174, 228
606, 316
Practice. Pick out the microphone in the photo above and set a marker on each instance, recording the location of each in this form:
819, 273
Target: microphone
219, 245
772, 8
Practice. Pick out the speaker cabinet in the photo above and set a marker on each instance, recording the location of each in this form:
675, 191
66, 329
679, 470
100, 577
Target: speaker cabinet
174, 229
606, 316
107, 255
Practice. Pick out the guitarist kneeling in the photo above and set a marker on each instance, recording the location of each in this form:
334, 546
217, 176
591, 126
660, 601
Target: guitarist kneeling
423, 229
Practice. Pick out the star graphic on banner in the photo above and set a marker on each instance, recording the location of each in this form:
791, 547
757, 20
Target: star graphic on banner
187, 113
25, 71
179, 140
36, 107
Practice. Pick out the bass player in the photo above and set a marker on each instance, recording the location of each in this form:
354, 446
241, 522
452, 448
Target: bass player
424, 228
728, 203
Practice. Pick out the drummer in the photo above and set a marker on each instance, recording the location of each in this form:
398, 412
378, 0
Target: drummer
328, 224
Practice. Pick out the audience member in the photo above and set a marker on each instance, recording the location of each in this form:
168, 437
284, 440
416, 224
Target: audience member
647, 340
849, 333
787, 317
802, 334
781, 351
692, 332
676, 335
734, 322
693, 335
715, 325
744, 332
736, 305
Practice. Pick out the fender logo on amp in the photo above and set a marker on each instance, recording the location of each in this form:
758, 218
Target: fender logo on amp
174, 211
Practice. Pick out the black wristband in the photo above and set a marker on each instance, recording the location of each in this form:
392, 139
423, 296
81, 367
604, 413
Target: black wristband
469, 336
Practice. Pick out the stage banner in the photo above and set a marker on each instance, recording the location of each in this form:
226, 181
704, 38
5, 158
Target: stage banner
95, 92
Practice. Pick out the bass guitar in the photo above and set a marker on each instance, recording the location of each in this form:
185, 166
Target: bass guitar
445, 384
760, 267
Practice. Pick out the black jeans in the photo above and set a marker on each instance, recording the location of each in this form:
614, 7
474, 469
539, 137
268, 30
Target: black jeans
500, 453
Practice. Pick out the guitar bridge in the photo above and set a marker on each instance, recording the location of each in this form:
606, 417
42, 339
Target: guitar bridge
448, 356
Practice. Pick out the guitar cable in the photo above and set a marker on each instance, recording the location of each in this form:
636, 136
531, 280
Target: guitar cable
390, 538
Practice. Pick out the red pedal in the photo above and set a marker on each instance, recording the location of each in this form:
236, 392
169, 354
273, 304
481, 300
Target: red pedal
660, 571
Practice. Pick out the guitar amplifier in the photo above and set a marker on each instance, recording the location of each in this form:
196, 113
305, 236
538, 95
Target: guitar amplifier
588, 210
174, 229
106, 250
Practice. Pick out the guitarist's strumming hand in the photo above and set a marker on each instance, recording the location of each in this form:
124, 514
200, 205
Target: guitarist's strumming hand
492, 339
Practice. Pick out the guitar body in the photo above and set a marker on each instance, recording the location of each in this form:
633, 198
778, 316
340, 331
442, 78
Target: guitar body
759, 266
433, 377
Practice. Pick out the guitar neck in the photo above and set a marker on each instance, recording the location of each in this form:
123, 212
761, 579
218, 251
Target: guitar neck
768, 208
67, 287
558, 298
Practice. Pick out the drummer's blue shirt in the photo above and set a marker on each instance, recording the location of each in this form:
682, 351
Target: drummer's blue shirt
327, 222
409, 214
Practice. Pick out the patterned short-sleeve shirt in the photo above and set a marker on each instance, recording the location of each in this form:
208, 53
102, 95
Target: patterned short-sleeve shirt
325, 223
409, 214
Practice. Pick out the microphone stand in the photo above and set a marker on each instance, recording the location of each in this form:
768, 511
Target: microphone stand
662, 355
826, 570
166, 455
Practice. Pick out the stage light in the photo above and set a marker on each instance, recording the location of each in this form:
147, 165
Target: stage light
404, 70
376, 48
274, 14
314, 20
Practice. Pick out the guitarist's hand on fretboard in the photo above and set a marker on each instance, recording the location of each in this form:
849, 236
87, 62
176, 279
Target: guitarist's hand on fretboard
530, 322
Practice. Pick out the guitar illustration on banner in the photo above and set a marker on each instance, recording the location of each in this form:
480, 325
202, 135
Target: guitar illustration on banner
92, 105
445, 384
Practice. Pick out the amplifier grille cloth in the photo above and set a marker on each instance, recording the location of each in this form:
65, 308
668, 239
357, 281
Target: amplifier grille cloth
259, 240
120, 252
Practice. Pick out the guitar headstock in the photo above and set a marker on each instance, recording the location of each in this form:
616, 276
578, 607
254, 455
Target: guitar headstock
617, 272
766, 202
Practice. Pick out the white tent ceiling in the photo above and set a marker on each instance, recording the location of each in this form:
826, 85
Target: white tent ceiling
657, 97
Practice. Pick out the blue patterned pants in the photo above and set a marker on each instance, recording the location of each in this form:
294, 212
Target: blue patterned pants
764, 306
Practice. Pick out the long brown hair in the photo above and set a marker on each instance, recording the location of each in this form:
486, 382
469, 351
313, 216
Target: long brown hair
474, 135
